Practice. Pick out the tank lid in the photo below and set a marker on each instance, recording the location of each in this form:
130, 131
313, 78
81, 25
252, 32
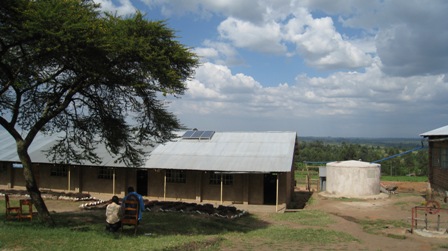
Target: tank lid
353, 163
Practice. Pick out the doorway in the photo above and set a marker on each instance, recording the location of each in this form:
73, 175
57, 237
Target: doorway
270, 187
142, 182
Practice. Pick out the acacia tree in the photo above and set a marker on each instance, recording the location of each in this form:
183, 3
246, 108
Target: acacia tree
91, 77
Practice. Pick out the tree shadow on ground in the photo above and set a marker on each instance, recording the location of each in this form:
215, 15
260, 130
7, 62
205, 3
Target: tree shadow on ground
162, 223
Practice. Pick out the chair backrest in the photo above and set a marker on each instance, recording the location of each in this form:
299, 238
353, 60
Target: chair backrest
7, 201
130, 212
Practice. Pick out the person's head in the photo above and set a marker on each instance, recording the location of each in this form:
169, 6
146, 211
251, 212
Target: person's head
130, 189
115, 199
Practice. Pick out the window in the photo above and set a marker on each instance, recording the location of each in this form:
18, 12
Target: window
59, 171
176, 176
105, 173
215, 179
440, 157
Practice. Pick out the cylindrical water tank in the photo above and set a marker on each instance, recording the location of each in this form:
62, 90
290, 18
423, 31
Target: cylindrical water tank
353, 178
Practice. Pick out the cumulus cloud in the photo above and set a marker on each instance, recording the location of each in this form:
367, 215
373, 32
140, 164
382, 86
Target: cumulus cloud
322, 46
411, 36
264, 38
381, 65
352, 97
218, 53
315, 39
121, 7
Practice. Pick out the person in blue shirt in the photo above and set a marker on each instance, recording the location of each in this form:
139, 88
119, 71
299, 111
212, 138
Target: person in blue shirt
132, 195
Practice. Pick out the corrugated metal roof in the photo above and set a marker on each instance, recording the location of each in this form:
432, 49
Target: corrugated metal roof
225, 152
442, 131
228, 152
37, 151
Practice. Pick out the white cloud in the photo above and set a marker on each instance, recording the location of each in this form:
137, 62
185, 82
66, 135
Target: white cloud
122, 8
264, 38
411, 35
218, 53
383, 63
350, 97
323, 47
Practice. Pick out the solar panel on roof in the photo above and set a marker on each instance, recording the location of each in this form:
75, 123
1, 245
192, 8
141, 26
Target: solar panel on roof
198, 134
207, 135
187, 134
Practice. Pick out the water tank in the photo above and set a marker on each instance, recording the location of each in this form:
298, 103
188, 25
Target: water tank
353, 178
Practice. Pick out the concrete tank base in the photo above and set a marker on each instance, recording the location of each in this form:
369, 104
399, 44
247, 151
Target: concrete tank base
365, 197
432, 234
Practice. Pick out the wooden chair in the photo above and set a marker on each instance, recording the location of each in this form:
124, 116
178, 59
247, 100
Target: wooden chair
26, 209
11, 212
130, 214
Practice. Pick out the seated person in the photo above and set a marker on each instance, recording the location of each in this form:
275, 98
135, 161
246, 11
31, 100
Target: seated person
113, 215
132, 195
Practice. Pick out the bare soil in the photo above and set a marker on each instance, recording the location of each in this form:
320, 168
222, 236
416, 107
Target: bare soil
398, 207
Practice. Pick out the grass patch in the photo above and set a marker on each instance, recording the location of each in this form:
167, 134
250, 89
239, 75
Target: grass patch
405, 178
84, 230
305, 235
158, 231
396, 236
305, 217
376, 226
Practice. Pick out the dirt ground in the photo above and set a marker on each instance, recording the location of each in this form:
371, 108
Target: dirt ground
348, 215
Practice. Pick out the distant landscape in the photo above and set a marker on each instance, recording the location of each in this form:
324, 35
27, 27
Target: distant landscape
393, 154
401, 143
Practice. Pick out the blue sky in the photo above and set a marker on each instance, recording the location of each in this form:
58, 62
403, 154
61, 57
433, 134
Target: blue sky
319, 68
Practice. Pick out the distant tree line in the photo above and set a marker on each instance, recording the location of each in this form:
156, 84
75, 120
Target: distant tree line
414, 163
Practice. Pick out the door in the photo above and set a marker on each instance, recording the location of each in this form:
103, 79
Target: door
142, 182
270, 187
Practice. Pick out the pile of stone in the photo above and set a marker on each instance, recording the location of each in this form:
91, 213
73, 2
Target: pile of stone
229, 212
48, 194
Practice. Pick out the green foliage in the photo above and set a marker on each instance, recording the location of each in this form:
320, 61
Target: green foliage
91, 77
405, 178
95, 77
319, 152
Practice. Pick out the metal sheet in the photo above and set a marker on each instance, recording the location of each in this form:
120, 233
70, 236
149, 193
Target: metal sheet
441, 131
228, 152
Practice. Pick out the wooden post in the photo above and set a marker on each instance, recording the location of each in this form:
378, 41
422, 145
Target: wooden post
276, 196
68, 178
113, 181
164, 186
221, 188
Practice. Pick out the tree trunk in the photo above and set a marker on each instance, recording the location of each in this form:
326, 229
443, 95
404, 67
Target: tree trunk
31, 186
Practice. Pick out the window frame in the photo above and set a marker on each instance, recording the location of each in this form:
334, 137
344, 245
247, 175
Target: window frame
58, 171
215, 179
176, 176
105, 173
440, 157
